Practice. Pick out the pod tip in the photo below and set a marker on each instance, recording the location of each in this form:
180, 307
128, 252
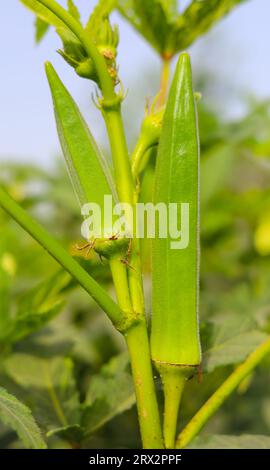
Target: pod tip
49, 69
184, 57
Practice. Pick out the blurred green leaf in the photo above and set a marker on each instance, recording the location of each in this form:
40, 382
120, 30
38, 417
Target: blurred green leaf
72, 433
35, 309
101, 10
16, 415
42, 28
150, 19
216, 169
47, 387
73, 10
98, 25
111, 393
154, 20
245, 441
229, 338
43, 13
168, 31
198, 17
170, 8
5, 297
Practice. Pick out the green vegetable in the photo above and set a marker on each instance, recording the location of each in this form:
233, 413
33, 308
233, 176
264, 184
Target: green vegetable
88, 169
39, 369
175, 331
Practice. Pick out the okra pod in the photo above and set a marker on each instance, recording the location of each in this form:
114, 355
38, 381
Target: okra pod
175, 343
88, 169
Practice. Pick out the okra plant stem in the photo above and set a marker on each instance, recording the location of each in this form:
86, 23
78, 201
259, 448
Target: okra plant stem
135, 278
148, 412
120, 281
122, 167
221, 394
138, 346
137, 336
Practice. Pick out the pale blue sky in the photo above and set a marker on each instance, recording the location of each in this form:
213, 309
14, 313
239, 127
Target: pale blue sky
237, 50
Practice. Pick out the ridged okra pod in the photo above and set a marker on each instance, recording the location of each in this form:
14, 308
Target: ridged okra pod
175, 343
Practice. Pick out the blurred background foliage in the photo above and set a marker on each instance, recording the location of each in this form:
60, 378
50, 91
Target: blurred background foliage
49, 328
59, 354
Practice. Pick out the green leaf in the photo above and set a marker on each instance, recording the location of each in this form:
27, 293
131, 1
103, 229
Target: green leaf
42, 28
35, 309
111, 393
229, 338
154, 17
126, 8
57, 251
215, 170
88, 168
198, 17
245, 441
73, 433
102, 10
43, 13
170, 8
150, 19
73, 10
16, 415
5, 298
47, 387
167, 31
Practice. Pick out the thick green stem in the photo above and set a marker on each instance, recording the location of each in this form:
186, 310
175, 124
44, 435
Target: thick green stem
173, 380
105, 80
221, 394
137, 338
126, 191
135, 278
61, 255
138, 345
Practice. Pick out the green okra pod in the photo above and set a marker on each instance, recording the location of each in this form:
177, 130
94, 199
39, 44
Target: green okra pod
88, 169
175, 340
87, 166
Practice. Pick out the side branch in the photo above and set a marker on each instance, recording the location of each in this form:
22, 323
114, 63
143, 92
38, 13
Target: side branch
221, 394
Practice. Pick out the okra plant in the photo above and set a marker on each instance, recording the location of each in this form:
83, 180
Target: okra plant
167, 343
